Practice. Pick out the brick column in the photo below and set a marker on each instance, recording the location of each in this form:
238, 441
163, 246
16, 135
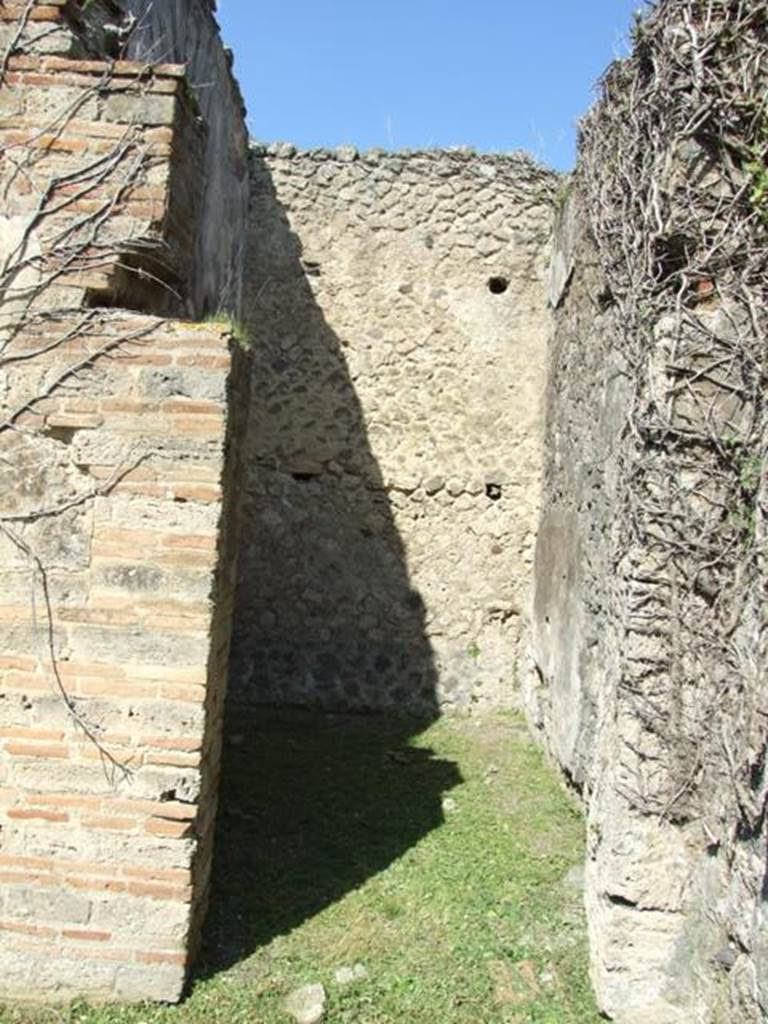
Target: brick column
114, 635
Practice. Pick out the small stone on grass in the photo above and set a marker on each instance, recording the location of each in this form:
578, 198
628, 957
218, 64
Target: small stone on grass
306, 1004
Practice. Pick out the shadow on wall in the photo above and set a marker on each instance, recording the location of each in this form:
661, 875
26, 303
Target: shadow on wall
313, 803
325, 614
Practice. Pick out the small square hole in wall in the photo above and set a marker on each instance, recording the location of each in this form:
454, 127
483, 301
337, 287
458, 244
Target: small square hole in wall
493, 491
498, 285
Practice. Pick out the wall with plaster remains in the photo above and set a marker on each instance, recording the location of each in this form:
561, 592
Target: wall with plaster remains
650, 623
397, 311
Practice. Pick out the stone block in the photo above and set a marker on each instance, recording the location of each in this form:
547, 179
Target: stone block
49, 905
138, 108
163, 983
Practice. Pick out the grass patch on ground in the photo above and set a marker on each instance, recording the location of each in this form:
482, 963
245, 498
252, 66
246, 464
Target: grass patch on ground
435, 857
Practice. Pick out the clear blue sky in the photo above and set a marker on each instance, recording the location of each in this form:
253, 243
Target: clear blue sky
494, 74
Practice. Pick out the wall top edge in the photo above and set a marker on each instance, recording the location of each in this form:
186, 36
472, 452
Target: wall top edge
350, 154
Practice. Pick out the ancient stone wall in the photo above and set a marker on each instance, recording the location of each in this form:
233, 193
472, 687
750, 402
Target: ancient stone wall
401, 352
118, 517
396, 305
133, 182
650, 620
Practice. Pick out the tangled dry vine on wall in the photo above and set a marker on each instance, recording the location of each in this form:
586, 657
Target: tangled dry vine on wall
675, 179
66, 231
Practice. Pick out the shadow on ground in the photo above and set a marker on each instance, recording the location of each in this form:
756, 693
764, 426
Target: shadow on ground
312, 805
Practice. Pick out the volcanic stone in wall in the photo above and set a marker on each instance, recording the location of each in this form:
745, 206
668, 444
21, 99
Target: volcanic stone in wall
398, 313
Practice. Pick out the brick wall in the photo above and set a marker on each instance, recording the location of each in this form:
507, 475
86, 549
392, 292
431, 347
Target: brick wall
117, 145
114, 637
118, 484
190, 111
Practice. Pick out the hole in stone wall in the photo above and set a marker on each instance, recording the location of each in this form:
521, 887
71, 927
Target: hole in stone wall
61, 434
303, 477
621, 901
493, 491
497, 285
672, 255
605, 299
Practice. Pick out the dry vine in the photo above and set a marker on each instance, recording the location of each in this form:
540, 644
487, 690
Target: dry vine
674, 174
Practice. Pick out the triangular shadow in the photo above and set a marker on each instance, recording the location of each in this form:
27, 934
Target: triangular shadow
314, 802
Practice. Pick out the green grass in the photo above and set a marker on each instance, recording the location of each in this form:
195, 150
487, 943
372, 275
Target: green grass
434, 858
237, 328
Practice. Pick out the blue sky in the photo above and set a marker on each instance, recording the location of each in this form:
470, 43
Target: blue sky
494, 74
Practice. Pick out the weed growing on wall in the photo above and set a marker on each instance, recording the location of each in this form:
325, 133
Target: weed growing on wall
758, 168
238, 330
